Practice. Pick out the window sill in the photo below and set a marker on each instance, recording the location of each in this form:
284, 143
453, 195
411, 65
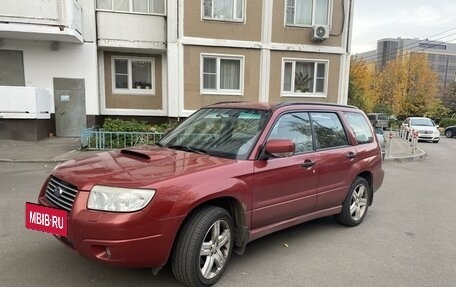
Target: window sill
221, 93
241, 21
138, 92
303, 95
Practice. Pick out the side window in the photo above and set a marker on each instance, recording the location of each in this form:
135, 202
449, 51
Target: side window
295, 127
328, 130
360, 127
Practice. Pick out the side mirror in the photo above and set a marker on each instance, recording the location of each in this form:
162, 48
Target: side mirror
280, 148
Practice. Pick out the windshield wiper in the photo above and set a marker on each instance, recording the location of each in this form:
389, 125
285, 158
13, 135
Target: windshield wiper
188, 148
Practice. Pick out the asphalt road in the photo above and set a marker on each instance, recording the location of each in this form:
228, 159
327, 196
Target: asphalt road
407, 239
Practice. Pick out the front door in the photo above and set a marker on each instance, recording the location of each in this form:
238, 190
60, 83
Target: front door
286, 187
70, 110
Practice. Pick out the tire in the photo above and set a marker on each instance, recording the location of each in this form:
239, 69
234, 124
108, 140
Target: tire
449, 134
436, 141
204, 247
355, 206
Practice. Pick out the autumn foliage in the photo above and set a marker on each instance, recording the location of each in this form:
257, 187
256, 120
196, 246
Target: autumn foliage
407, 86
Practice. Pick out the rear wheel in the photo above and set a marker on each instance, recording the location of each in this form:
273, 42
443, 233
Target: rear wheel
449, 134
355, 206
204, 247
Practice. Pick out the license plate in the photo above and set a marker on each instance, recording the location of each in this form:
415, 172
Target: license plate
46, 219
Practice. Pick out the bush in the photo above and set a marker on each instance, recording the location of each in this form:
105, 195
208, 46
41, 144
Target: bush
118, 125
446, 122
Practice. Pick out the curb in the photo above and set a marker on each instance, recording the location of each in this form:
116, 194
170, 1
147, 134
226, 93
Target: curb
420, 156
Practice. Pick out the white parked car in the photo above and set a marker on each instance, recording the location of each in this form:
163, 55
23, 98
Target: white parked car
426, 128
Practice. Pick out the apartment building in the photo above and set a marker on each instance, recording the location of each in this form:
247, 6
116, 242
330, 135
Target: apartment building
83, 61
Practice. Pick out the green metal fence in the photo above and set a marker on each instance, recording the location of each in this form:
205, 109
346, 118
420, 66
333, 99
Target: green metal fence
98, 139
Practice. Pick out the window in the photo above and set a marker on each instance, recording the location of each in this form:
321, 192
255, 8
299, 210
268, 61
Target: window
307, 12
328, 130
360, 127
304, 77
135, 6
133, 75
295, 127
222, 75
226, 10
12, 68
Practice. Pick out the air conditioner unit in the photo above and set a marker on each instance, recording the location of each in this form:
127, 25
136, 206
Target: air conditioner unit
320, 33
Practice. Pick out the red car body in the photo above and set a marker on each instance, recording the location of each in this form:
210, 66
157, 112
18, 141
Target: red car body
262, 195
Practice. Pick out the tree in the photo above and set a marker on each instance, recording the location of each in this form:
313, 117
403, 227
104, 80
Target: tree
360, 92
449, 98
408, 85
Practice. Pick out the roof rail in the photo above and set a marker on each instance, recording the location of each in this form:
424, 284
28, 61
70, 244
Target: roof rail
227, 102
284, 104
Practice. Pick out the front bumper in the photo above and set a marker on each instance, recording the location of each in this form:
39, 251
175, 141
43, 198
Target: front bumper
132, 240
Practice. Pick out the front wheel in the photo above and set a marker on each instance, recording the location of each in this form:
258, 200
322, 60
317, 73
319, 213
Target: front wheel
204, 247
355, 206
449, 134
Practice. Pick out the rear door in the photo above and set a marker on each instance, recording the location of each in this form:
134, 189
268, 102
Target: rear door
286, 187
336, 159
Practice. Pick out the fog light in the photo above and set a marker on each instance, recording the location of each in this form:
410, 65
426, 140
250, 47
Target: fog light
108, 252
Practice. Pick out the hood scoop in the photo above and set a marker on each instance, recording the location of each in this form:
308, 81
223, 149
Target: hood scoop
135, 153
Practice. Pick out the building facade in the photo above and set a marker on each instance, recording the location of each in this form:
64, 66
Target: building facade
87, 60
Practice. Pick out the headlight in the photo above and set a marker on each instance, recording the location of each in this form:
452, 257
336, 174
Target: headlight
119, 199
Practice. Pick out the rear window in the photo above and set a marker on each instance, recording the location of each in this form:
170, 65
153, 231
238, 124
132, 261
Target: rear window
360, 127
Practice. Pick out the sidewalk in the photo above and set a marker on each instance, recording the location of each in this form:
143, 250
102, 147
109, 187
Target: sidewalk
401, 150
58, 149
55, 149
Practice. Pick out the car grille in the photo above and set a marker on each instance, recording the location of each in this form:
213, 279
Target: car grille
60, 193
426, 132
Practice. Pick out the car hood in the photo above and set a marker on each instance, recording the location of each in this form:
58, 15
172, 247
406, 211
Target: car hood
135, 167
424, 128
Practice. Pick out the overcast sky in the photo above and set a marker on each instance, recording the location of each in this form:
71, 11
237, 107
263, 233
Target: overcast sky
378, 19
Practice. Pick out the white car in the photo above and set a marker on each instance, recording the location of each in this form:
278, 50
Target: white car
425, 127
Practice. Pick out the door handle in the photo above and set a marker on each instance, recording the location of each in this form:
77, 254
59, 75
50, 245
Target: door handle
351, 155
308, 163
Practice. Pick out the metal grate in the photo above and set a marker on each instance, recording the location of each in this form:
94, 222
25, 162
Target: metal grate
61, 193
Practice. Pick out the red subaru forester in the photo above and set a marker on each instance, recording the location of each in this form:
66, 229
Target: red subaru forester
227, 175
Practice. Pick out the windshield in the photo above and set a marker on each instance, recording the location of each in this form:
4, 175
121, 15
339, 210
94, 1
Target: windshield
223, 132
425, 122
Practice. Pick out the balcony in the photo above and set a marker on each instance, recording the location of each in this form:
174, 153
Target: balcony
130, 31
44, 20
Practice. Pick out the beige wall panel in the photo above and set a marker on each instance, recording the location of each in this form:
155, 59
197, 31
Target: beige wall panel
132, 101
276, 76
249, 30
303, 35
192, 97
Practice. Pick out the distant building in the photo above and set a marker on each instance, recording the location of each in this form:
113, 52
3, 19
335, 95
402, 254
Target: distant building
441, 55
67, 64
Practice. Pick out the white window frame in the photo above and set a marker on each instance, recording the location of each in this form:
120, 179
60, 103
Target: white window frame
130, 89
240, 20
329, 24
312, 94
217, 90
130, 9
